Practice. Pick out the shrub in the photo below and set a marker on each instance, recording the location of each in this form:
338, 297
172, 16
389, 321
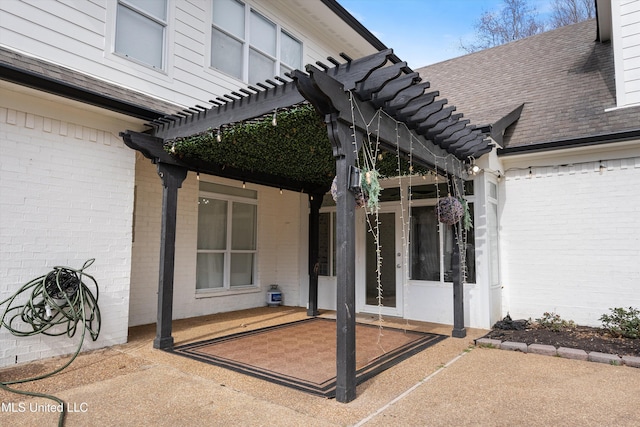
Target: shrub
622, 322
554, 322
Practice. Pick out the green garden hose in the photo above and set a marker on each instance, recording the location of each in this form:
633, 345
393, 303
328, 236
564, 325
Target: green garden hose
59, 302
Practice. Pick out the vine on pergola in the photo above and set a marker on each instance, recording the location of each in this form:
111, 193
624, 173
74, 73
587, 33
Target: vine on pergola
292, 145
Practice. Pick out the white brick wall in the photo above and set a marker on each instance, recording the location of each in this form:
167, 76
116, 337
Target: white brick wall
66, 195
570, 240
279, 222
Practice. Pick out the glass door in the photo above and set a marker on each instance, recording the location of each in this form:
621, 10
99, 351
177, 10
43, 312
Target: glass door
383, 273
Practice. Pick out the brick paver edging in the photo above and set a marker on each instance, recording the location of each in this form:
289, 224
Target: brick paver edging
568, 353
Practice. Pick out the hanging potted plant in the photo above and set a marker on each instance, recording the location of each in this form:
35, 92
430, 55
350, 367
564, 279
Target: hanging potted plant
449, 210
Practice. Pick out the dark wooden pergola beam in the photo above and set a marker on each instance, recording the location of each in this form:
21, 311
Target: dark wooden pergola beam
153, 148
232, 111
401, 138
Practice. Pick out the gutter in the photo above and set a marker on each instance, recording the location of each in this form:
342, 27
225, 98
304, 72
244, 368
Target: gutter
572, 143
56, 87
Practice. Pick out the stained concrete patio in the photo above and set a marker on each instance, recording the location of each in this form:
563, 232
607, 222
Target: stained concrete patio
450, 383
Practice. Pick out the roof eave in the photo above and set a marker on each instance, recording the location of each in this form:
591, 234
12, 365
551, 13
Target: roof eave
57, 87
583, 141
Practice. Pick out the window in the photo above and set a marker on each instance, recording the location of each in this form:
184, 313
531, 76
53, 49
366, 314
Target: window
492, 234
248, 46
432, 243
327, 250
140, 30
227, 235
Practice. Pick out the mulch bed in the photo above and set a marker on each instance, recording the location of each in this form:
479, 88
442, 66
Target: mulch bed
581, 337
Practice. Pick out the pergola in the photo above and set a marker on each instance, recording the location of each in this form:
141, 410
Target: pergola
373, 83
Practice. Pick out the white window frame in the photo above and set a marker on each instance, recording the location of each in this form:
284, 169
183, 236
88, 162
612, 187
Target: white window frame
164, 24
493, 257
471, 199
228, 251
247, 47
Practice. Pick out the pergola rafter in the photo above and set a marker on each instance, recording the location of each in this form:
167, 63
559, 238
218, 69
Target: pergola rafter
412, 122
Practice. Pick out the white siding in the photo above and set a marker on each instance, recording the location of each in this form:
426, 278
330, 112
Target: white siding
626, 42
570, 240
80, 35
66, 195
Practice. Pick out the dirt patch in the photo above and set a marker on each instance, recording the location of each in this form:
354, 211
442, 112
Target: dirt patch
581, 337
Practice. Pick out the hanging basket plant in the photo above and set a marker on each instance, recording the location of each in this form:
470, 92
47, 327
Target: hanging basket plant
371, 187
450, 210
367, 194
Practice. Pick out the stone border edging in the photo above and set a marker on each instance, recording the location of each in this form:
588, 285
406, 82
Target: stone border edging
567, 353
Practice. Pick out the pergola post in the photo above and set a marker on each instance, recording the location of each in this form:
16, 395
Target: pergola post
315, 202
459, 330
172, 177
345, 264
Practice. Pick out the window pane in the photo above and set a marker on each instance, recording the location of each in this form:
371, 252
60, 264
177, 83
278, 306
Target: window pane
139, 37
493, 190
212, 187
447, 241
260, 67
324, 242
212, 224
290, 51
284, 70
263, 34
209, 271
243, 233
471, 251
241, 269
229, 15
226, 54
155, 8
425, 253
429, 191
492, 229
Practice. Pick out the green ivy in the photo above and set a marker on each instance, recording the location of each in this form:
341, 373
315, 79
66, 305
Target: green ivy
297, 148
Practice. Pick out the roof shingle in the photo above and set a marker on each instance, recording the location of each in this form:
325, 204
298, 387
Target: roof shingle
564, 78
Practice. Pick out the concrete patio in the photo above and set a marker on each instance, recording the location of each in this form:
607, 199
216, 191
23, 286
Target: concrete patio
450, 383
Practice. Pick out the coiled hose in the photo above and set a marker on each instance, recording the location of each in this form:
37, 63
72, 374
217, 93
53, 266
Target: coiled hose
59, 303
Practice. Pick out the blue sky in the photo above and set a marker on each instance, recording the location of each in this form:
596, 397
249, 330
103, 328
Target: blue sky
424, 32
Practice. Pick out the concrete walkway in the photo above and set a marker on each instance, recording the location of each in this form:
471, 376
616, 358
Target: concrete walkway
451, 383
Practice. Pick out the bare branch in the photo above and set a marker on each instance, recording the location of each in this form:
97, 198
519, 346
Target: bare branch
567, 12
516, 20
